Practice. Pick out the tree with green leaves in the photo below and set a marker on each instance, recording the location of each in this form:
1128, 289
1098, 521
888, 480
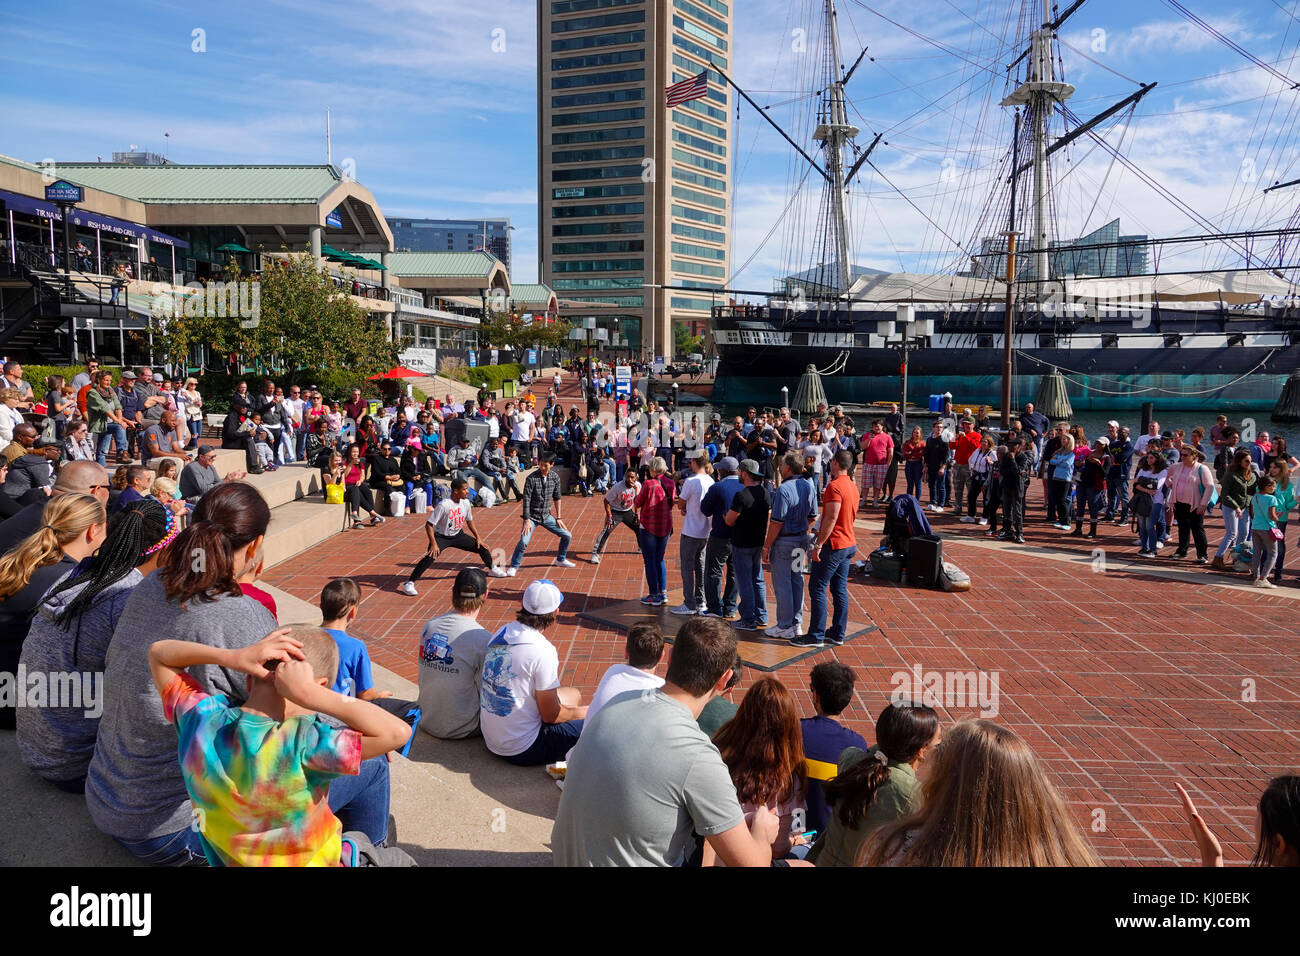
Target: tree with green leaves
505, 330
684, 343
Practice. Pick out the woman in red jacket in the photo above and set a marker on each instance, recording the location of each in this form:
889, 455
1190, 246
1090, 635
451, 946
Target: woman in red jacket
654, 508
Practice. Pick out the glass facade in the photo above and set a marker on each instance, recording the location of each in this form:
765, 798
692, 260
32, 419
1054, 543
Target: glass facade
699, 179
597, 228
597, 79
597, 135
599, 265
598, 192
598, 59
597, 155
595, 99
597, 248
598, 40
599, 116
598, 22
704, 199
694, 232
712, 165
699, 215
578, 6
695, 142
596, 172
702, 252
606, 209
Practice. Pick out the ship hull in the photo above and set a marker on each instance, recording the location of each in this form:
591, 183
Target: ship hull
1217, 364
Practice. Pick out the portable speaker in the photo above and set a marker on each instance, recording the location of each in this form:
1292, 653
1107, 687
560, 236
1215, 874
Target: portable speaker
924, 559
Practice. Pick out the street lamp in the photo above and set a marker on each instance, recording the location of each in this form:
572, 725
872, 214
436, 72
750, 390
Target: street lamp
674, 396
785, 396
911, 331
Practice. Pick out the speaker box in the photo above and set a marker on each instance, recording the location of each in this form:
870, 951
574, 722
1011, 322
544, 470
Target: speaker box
477, 432
924, 559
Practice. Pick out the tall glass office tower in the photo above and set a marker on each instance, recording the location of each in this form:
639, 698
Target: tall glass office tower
634, 196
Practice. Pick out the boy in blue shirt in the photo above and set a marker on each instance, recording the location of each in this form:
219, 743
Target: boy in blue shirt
339, 601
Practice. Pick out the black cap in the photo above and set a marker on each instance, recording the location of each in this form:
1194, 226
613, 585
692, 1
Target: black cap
470, 583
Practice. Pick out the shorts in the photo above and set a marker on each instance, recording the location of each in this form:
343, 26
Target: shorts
873, 476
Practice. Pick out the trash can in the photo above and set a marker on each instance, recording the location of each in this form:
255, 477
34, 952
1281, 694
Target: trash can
508, 388
936, 403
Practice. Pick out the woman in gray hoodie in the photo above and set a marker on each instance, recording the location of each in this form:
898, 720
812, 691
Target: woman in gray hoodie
69, 637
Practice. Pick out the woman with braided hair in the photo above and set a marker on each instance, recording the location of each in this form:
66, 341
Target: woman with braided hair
71, 530
70, 635
877, 786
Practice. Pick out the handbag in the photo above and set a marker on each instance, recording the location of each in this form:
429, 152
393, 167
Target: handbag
1277, 534
334, 494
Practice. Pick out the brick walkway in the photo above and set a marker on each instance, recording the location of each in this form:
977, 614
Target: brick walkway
1118, 703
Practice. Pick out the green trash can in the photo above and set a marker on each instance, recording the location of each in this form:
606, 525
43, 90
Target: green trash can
373, 406
508, 388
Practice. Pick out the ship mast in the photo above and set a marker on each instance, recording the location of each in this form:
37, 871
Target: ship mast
1040, 91
834, 133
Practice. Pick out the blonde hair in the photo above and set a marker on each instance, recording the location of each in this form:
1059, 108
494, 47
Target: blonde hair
66, 518
10, 395
163, 486
987, 802
1067, 442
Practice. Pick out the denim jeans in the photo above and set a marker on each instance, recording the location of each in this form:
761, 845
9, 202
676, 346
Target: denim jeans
833, 570
552, 743
750, 585
1092, 502
288, 442
551, 525
719, 597
361, 802
1149, 527
653, 547
1263, 554
789, 557
692, 558
1236, 531
912, 471
427, 486
1117, 494
174, 849
939, 488
113, 434
1281, 552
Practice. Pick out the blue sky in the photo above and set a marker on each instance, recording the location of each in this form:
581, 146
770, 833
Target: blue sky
435, 105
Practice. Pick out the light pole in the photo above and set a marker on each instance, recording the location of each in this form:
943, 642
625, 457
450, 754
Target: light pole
912, 332
785, 396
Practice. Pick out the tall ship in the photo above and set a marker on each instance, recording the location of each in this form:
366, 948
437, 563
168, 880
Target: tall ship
1207, 318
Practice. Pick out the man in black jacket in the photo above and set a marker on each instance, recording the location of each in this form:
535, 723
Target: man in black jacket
237, 432
385, 473
272, 417
1014, 471
32, 475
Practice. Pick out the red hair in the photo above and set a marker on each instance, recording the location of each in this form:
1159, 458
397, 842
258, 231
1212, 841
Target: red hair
762, 745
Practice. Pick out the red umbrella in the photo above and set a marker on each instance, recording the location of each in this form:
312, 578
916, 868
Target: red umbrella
400, 372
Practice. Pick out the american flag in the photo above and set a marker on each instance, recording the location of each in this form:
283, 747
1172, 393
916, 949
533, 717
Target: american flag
687, 90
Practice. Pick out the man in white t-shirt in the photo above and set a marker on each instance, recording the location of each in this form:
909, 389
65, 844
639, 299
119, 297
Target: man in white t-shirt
451, 652
695, 533
618, 510
645, 650
449, 526
525, 715
523, 431
1152, 435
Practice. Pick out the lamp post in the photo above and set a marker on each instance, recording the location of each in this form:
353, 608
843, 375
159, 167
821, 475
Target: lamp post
674, 396
785, 396
911, 332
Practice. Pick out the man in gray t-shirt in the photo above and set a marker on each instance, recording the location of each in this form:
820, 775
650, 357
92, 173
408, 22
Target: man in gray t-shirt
452, 648
643, 779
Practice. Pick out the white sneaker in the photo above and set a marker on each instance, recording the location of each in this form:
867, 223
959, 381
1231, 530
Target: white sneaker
783, 632
408, 588
511, 572
967, 519
565, 563
595, 559
1159, 545
983, 522
498, 572
683, 610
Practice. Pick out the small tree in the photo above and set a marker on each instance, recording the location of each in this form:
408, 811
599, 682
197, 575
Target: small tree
683, 342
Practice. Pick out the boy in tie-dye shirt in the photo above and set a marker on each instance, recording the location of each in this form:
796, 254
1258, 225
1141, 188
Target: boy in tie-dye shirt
259, 775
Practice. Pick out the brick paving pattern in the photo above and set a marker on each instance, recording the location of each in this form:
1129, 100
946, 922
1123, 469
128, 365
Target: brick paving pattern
1123, 682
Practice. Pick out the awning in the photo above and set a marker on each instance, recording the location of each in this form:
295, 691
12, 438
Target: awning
89, 220
232, 247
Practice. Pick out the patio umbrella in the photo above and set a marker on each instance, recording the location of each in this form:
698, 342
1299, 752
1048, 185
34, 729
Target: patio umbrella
400, 371
232, 247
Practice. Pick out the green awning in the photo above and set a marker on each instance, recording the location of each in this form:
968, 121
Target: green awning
232, 247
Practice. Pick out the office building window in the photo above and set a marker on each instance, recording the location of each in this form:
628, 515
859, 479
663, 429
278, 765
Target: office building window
695, 142
597, 155
595, 99
598, 116
597, 79
597, 135
702, 305
596, 172
693, 48
704, 199
697, 269
598, 22
597, 228
700, 14
694, 232
604, 209
578, 6
699, 179
685, 119
599, 265
699, 215
598, 40
703, 252
598, 59
712, 165
597, 248
569, 284
598, 192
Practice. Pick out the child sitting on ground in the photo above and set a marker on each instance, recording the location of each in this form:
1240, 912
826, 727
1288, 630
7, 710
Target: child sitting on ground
339, 601
259, 775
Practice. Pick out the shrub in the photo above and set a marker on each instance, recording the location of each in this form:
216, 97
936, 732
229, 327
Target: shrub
454, 369
491, 376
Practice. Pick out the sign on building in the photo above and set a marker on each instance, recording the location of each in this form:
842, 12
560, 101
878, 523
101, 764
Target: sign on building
623, 381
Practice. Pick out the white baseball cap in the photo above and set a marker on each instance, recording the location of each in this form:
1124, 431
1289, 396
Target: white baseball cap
542, 597
1113, 424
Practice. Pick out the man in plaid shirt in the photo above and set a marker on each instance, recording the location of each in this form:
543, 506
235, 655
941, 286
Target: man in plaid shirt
541, 488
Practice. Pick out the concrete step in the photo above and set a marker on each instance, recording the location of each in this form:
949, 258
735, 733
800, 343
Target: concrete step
299, 525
